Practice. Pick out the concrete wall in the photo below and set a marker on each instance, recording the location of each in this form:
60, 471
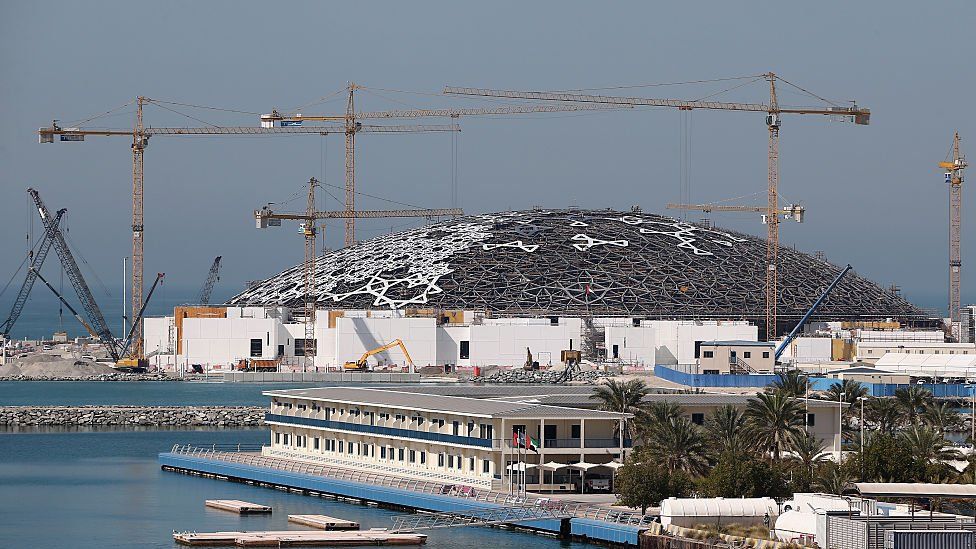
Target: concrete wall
505, 344
355, 336
808, 350
635, 345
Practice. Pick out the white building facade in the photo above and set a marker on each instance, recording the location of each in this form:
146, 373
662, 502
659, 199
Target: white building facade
218, 338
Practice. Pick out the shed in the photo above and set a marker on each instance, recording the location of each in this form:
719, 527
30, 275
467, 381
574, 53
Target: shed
688, 512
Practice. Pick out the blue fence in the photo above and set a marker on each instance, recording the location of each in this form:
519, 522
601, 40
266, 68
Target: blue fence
714, 380
938, 390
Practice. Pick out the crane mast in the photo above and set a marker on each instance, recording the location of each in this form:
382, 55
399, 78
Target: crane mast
773, 110
954, 177
772, 217
139, 142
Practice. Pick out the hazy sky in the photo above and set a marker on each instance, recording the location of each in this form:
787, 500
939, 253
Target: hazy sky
874, 195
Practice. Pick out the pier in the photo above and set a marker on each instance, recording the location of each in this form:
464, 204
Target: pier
323, 522
238, 506
297, 538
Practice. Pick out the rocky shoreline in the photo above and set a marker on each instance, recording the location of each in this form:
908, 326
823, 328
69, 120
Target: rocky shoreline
183, 416
114, 376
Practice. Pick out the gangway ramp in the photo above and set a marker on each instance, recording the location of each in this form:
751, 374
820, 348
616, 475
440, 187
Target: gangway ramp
484, 516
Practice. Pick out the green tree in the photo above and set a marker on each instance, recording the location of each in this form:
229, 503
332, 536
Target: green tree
773, 419
846, 390
884, 413
790, 382
641, 483
885, 459
929, 451
941, 416
735, 475
808, 452
913, 400
622, 397
725, 431
832, 478
678, 444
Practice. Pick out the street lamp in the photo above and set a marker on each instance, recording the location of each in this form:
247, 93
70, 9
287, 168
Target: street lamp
840, 426
862, 399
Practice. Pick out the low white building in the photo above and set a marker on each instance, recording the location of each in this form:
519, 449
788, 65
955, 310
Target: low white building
871, 351
217, 338
446, 438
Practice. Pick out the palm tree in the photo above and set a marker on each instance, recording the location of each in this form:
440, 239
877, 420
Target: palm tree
678, 445
941, 416
725, 430
791, 382
847, 390
833, 478
621, 397
912, 400
884, 413
774, 418
809, 451
928, 445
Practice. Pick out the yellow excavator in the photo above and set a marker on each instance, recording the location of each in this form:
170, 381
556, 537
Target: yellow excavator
360, 365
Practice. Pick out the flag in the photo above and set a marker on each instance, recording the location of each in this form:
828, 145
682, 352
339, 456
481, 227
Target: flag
533, 444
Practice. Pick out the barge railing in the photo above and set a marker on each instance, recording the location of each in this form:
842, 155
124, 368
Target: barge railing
244, 454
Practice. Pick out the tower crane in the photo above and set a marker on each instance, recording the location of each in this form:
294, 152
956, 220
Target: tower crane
790, 211
265, 217
352, 126
212, 278
954, 165
774, 112
140, 134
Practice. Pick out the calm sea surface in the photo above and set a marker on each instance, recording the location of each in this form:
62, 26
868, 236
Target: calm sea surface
104, 489
147, 393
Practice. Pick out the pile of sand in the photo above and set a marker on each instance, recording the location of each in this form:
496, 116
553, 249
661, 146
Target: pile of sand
53, 366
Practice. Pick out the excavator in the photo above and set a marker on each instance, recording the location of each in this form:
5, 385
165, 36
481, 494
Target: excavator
360, 365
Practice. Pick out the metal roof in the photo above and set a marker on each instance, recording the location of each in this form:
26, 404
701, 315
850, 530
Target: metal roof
916, 490
739, 343
405, 400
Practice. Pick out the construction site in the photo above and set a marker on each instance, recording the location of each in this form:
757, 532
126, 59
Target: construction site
573, 289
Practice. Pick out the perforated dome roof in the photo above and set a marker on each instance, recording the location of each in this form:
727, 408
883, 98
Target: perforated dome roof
576, 263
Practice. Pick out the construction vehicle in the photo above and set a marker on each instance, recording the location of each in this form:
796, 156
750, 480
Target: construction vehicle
813, 308
96, 325
361, 364
774, 113
257, 365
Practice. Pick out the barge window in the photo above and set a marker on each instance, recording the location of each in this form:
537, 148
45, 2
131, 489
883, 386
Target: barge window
471, 464
485, 466
440, 460
257, 347
423, 457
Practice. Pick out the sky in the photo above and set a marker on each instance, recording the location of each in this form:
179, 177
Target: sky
874, 194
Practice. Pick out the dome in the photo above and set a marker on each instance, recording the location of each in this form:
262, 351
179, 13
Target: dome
578, 263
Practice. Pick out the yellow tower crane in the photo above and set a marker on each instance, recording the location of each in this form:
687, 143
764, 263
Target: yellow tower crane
773, 110
140, 134
352, 125
265, 217
954, 165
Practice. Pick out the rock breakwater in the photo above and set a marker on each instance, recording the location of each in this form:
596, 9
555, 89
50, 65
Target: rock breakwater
190, 416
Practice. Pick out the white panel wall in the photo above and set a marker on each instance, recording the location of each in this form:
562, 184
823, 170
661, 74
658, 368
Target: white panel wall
635, 345
809, 350
504, 345
355, 336
449, 338
223, 341
156, 333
